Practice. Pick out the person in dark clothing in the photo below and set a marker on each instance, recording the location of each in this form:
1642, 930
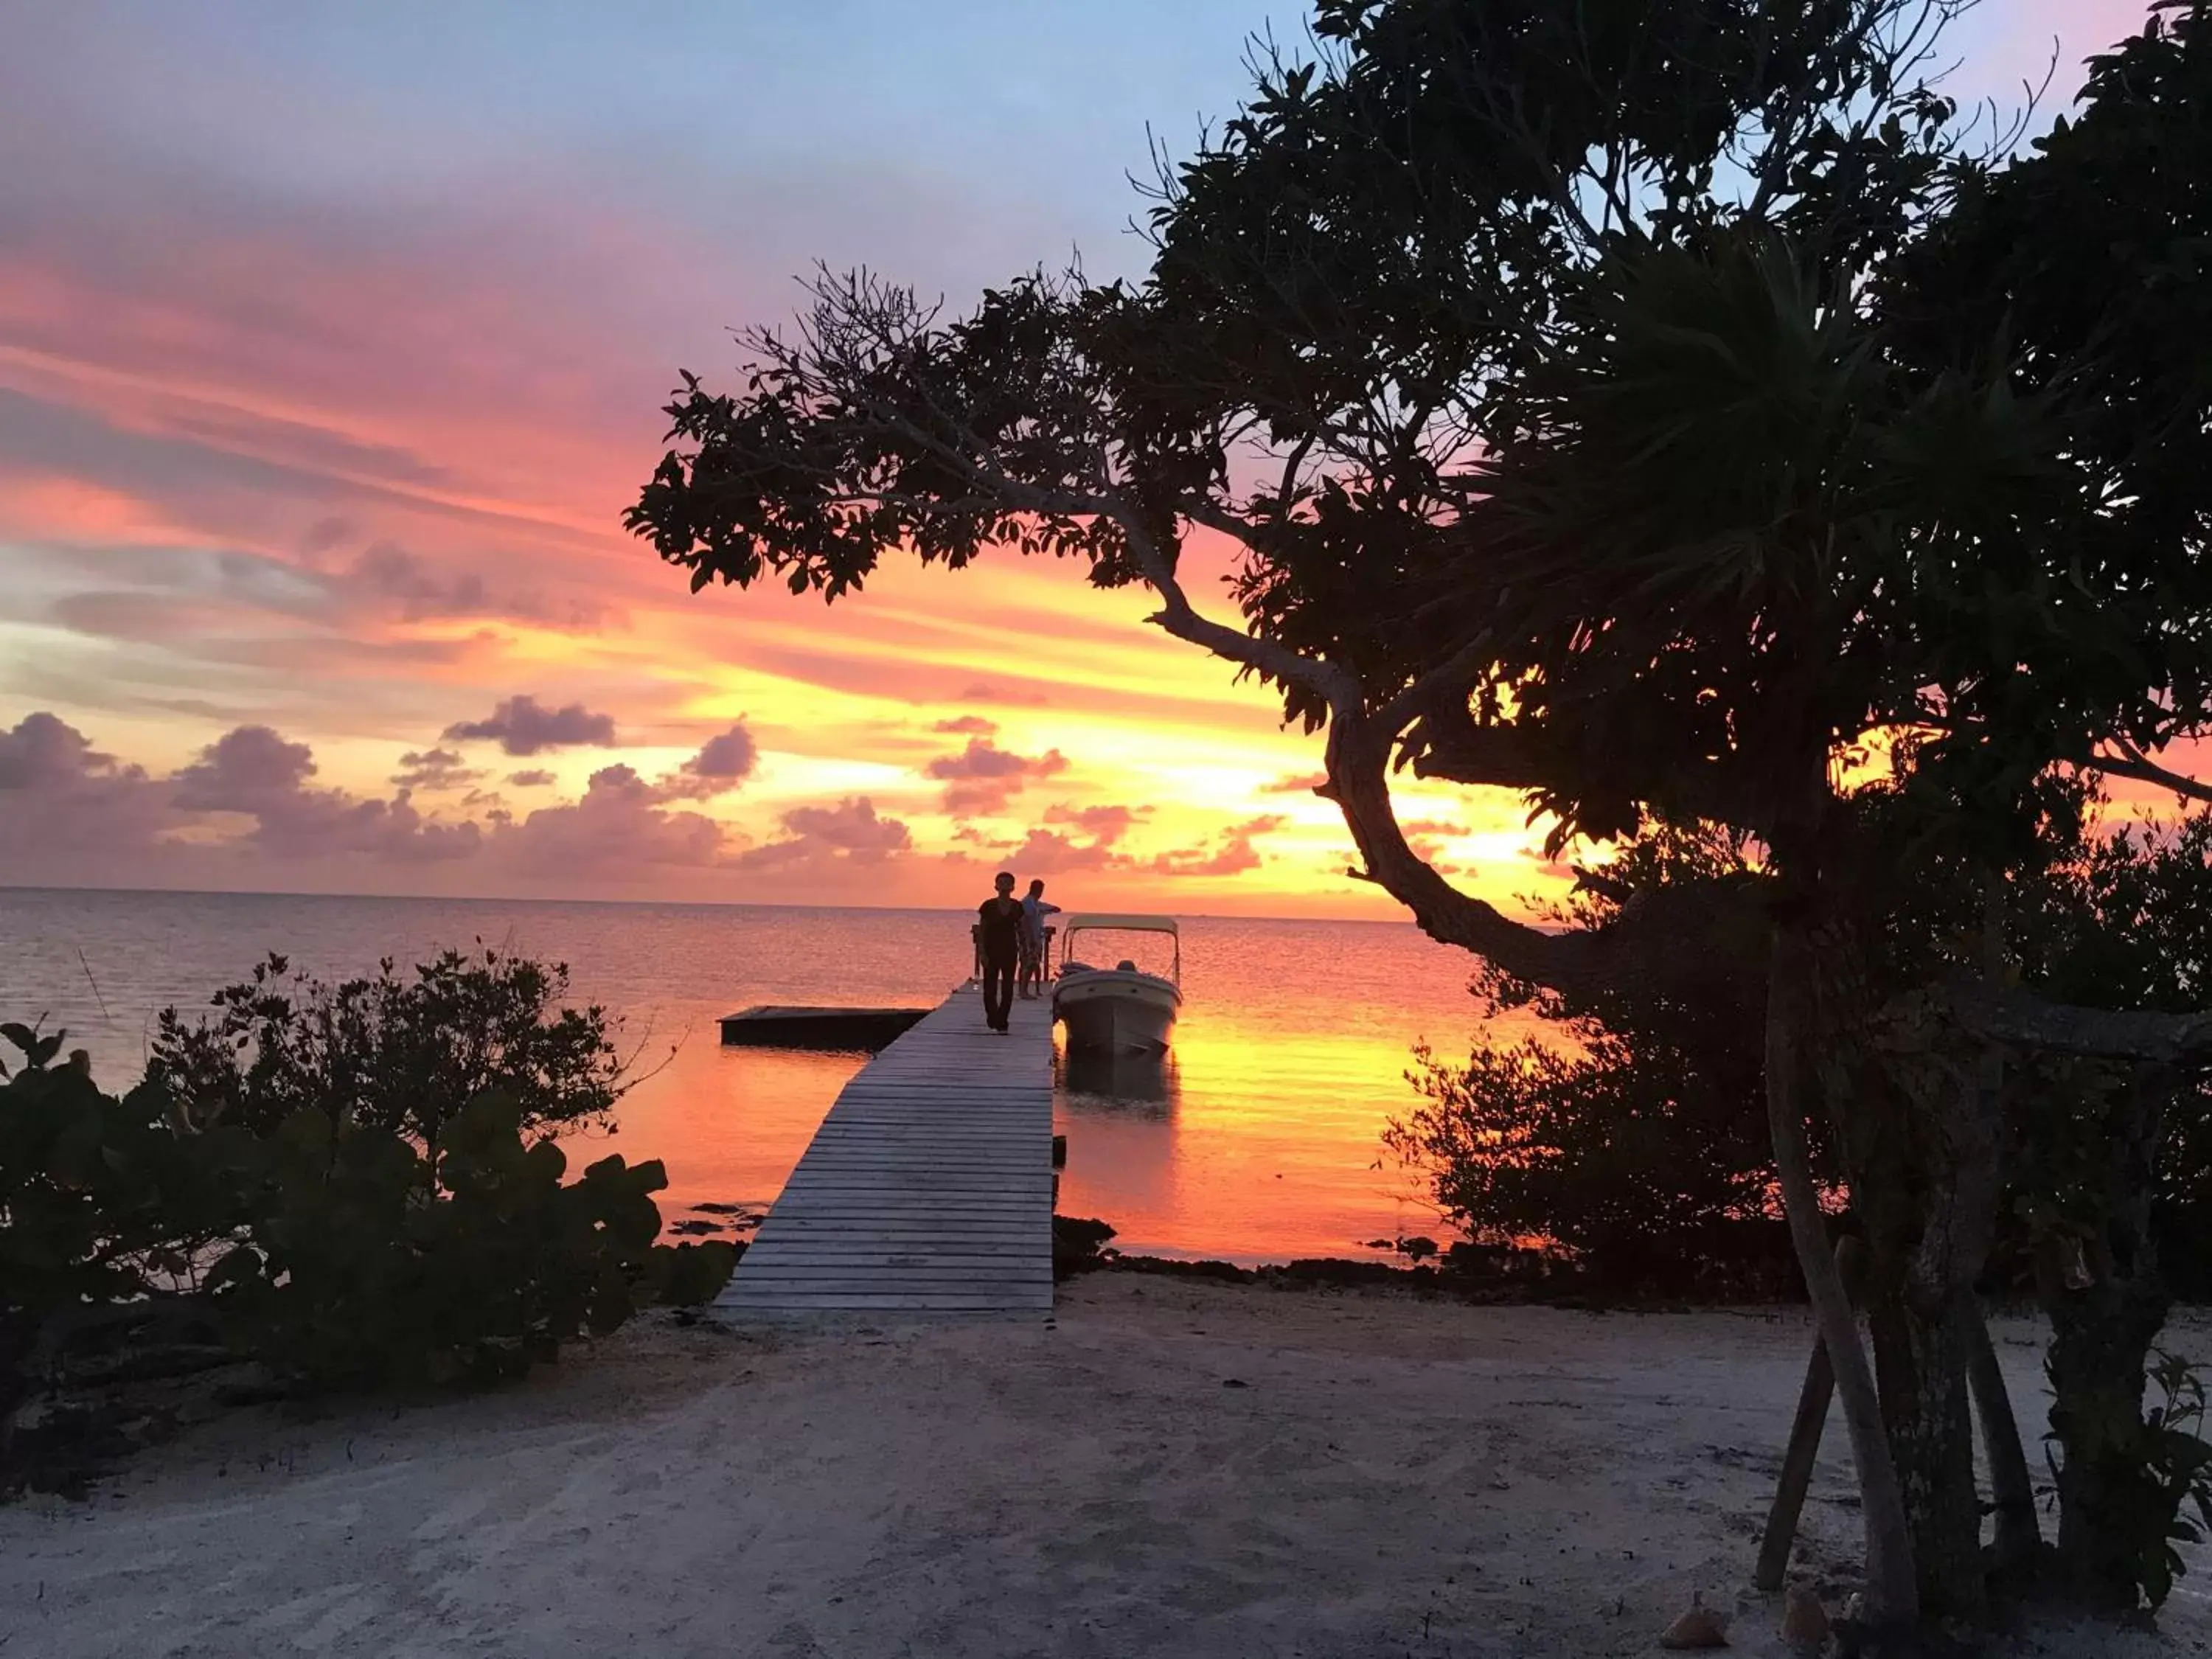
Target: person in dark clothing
999, 935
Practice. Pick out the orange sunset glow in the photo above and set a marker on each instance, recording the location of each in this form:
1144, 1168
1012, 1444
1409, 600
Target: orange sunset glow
328, 363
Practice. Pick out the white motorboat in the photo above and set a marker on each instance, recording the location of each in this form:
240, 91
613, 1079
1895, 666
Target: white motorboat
1121, 1009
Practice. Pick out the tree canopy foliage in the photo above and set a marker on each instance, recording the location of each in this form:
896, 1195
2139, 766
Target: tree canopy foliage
1647, 409
1383, 299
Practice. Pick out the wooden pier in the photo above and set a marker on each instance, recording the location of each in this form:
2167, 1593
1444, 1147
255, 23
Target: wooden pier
929, 1185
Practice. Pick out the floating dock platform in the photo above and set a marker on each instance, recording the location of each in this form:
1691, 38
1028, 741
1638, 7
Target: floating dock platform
769, 1026
928, 1187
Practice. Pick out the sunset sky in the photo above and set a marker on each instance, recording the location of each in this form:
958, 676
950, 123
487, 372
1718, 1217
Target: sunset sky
332, 343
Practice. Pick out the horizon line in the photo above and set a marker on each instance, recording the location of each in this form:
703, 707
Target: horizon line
641, 904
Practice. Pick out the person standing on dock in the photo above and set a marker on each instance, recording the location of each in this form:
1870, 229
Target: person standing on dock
1033, 911
998, 936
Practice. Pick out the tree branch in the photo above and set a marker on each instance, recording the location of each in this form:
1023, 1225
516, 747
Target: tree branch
2132, 762
2028, 1021
1179, 617
1357, 763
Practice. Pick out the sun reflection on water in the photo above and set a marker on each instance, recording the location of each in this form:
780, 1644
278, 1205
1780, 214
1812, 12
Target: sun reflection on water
1257, 1139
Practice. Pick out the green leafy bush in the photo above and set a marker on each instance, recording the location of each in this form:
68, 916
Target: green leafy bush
2161, 1466
75, 1219
103, 1199
392, 1052
377, 1263
2112, 1211
356, 1187
103, 1211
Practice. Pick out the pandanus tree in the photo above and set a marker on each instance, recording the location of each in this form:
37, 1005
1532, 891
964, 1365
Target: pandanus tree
1538, 361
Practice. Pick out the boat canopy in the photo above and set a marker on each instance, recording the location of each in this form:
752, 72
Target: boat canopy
1133, 924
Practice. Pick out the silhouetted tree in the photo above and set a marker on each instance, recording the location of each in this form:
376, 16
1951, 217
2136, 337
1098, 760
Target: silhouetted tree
1631, 1132
1534, 357
1639, 1142
2114, 1194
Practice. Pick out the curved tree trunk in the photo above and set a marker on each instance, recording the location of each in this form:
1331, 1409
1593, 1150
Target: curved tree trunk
2019, 1538
1892, 1590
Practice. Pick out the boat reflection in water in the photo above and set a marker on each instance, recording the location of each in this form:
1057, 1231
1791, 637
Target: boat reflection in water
1130, 1083
1118, 1112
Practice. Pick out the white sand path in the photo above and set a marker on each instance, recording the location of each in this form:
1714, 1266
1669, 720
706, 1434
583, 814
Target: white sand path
1396, 1478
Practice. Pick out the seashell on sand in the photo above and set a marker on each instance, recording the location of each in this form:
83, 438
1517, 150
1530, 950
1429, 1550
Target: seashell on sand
1804, 1620
1700, 1626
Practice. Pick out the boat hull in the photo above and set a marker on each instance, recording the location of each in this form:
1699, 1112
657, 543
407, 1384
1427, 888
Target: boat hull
1115, 1011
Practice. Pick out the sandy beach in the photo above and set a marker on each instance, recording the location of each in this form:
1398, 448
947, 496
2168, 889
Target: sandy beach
1166, 1468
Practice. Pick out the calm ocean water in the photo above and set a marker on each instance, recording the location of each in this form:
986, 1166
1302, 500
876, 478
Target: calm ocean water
1258, 1141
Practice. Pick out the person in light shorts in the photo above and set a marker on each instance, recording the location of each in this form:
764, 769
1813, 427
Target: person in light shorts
1033, 911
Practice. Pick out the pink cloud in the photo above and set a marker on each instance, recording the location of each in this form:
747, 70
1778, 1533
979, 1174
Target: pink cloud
434, 770
618, 826
1232, 856
1106, 824
386, 575
255, 772
523, 725
62, 802
1049, 852
987, 691
985, 778
850, 832
70, 812
241, 769
723, 763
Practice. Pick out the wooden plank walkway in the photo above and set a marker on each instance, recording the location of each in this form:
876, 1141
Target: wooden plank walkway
929, 1185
